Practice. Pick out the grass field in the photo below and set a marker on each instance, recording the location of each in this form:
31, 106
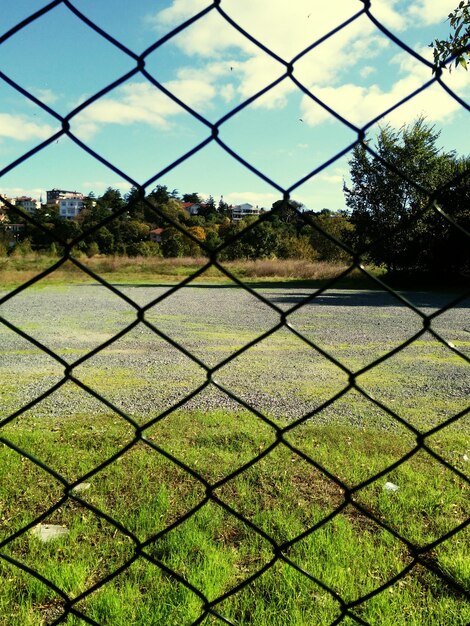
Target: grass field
307, 516
15, 271
282, 494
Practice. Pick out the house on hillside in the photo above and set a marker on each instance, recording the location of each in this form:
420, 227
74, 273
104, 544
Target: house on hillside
30, 205
9, 231
193, 208
71, 207
156, 235
70, 203
241, 211
54, 196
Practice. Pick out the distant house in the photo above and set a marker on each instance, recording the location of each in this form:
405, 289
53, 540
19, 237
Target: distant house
193, 208
8, 231
30, 205
71, 207
53, 196
156, 235
70, 203
241, 211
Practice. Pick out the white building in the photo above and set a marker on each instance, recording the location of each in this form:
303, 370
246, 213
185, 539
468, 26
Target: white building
241, 211
30, 205
71, 205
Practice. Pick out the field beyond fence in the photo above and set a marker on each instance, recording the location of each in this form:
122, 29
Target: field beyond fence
17, 270
191, 438
260, 517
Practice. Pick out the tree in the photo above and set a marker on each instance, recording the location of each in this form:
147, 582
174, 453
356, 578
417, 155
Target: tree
173, 243
336, 224
191, 248
191, 197
135, 203
456, 46
208, 209
262, 241
286, 214
447, 247
388, 209
111, 200
223, 208
159, 198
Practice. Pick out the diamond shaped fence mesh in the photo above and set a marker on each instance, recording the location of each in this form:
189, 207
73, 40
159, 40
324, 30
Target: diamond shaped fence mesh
277, 562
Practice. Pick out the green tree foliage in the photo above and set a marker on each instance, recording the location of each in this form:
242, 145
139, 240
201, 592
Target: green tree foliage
173, 243
144, 248
391, 221
111, 200
287, 214
92, 250
208, 210
262, 241
394, 220
292, 247
158, 202
223, 208
336, 224
447, 248
135, 200
456, 46
192, 197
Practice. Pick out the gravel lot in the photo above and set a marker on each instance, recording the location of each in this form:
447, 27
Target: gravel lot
282, 376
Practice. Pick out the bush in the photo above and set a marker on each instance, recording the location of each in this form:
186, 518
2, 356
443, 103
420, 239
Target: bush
92, 250
145, 249
53, 252
22, 249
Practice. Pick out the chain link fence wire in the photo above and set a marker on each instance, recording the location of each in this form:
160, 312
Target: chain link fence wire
210, 609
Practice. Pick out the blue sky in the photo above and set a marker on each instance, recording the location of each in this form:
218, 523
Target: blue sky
359, 72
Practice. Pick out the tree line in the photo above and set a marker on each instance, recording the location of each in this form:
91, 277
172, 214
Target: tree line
113, 224
408, 210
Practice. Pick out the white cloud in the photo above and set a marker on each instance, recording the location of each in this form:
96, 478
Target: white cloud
269, 23
232, 68
29, 192
46, 95
390, 14
227, 92
179, 11
367, 70
142, 102
430, 11
332, 179
360, 104
22, 128
248, 69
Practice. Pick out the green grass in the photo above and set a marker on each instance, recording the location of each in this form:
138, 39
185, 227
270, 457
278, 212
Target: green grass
282, 494
16, 270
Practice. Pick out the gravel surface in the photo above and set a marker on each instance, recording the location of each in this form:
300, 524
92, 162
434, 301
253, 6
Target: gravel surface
282, 376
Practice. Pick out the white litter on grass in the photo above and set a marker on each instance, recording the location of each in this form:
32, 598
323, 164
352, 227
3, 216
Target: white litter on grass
465, 457
49, 532
391, 487
81, 487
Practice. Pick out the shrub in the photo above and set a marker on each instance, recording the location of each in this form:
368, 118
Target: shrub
92, 250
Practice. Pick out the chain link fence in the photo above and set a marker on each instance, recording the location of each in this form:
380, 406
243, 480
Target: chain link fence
210, 609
